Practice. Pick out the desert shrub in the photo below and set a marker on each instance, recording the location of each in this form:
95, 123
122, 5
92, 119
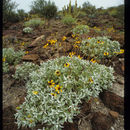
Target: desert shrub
35, 22
80, 29
81, 14
23, 71
57, 87
9, 14
44, 8
27, 30
12, 57
68, 20
99, 47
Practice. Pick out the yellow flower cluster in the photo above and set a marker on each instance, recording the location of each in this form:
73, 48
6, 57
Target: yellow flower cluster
99, 42
79, 57
52, 41
77, 42
46, 45
71, 54
58, 88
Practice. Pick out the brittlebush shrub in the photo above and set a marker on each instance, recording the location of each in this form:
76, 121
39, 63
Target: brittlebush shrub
68, 20
55, 89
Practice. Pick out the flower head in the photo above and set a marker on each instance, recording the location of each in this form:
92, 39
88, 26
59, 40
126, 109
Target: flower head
66, 65
93, 61
106, 53
57, 72
58, 88
90, 80
4, 59
64, 38
79, 57
76, 46
73, 35
51, 83
89, 38
78, 42
26, 52
121, 51
53, 94
22, 43
35, 92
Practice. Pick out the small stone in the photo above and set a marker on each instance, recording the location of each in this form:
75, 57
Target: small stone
114, 114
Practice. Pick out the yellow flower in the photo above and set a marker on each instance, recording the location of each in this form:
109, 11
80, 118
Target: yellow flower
106, 53
73, 35
93, 61
18, 108
98, 41
22, 43
89, 38
29, 116
53, 94
64, 38
4, 59
45, 46
79, 57
76, 46
31, 121
90, 80
71, 54
76, 38
78, 42
102, 42
59, 44
26, 52
58, 88
35, 92
66, 65
121, 51
57, 72
51, 83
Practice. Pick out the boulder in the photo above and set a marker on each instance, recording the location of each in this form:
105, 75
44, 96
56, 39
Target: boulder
101, 121
30, 57
113, 101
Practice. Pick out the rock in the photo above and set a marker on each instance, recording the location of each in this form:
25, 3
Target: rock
65, 47
101, 121
113, 101
37, 41
31, 57
85, 108
114, 114
70, 126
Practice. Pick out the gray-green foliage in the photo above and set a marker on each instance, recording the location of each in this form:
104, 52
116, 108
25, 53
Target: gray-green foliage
68, 20
74, 78
11, 57
96, 47
35, 22
80, 29
27, 30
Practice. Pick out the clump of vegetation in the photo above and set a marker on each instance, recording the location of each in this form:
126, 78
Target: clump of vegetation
35, 22
10, 57
55, 89
80, 29
100, 47
27, 30
68, 20
47, 9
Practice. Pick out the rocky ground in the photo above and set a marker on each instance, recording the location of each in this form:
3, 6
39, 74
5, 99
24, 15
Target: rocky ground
103, 113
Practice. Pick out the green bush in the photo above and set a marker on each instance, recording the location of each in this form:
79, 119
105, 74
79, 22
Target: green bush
44, 8
35, 22
27, 30
68, 20
21, 14
99, 47
12, 57
80, 29
57, 87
